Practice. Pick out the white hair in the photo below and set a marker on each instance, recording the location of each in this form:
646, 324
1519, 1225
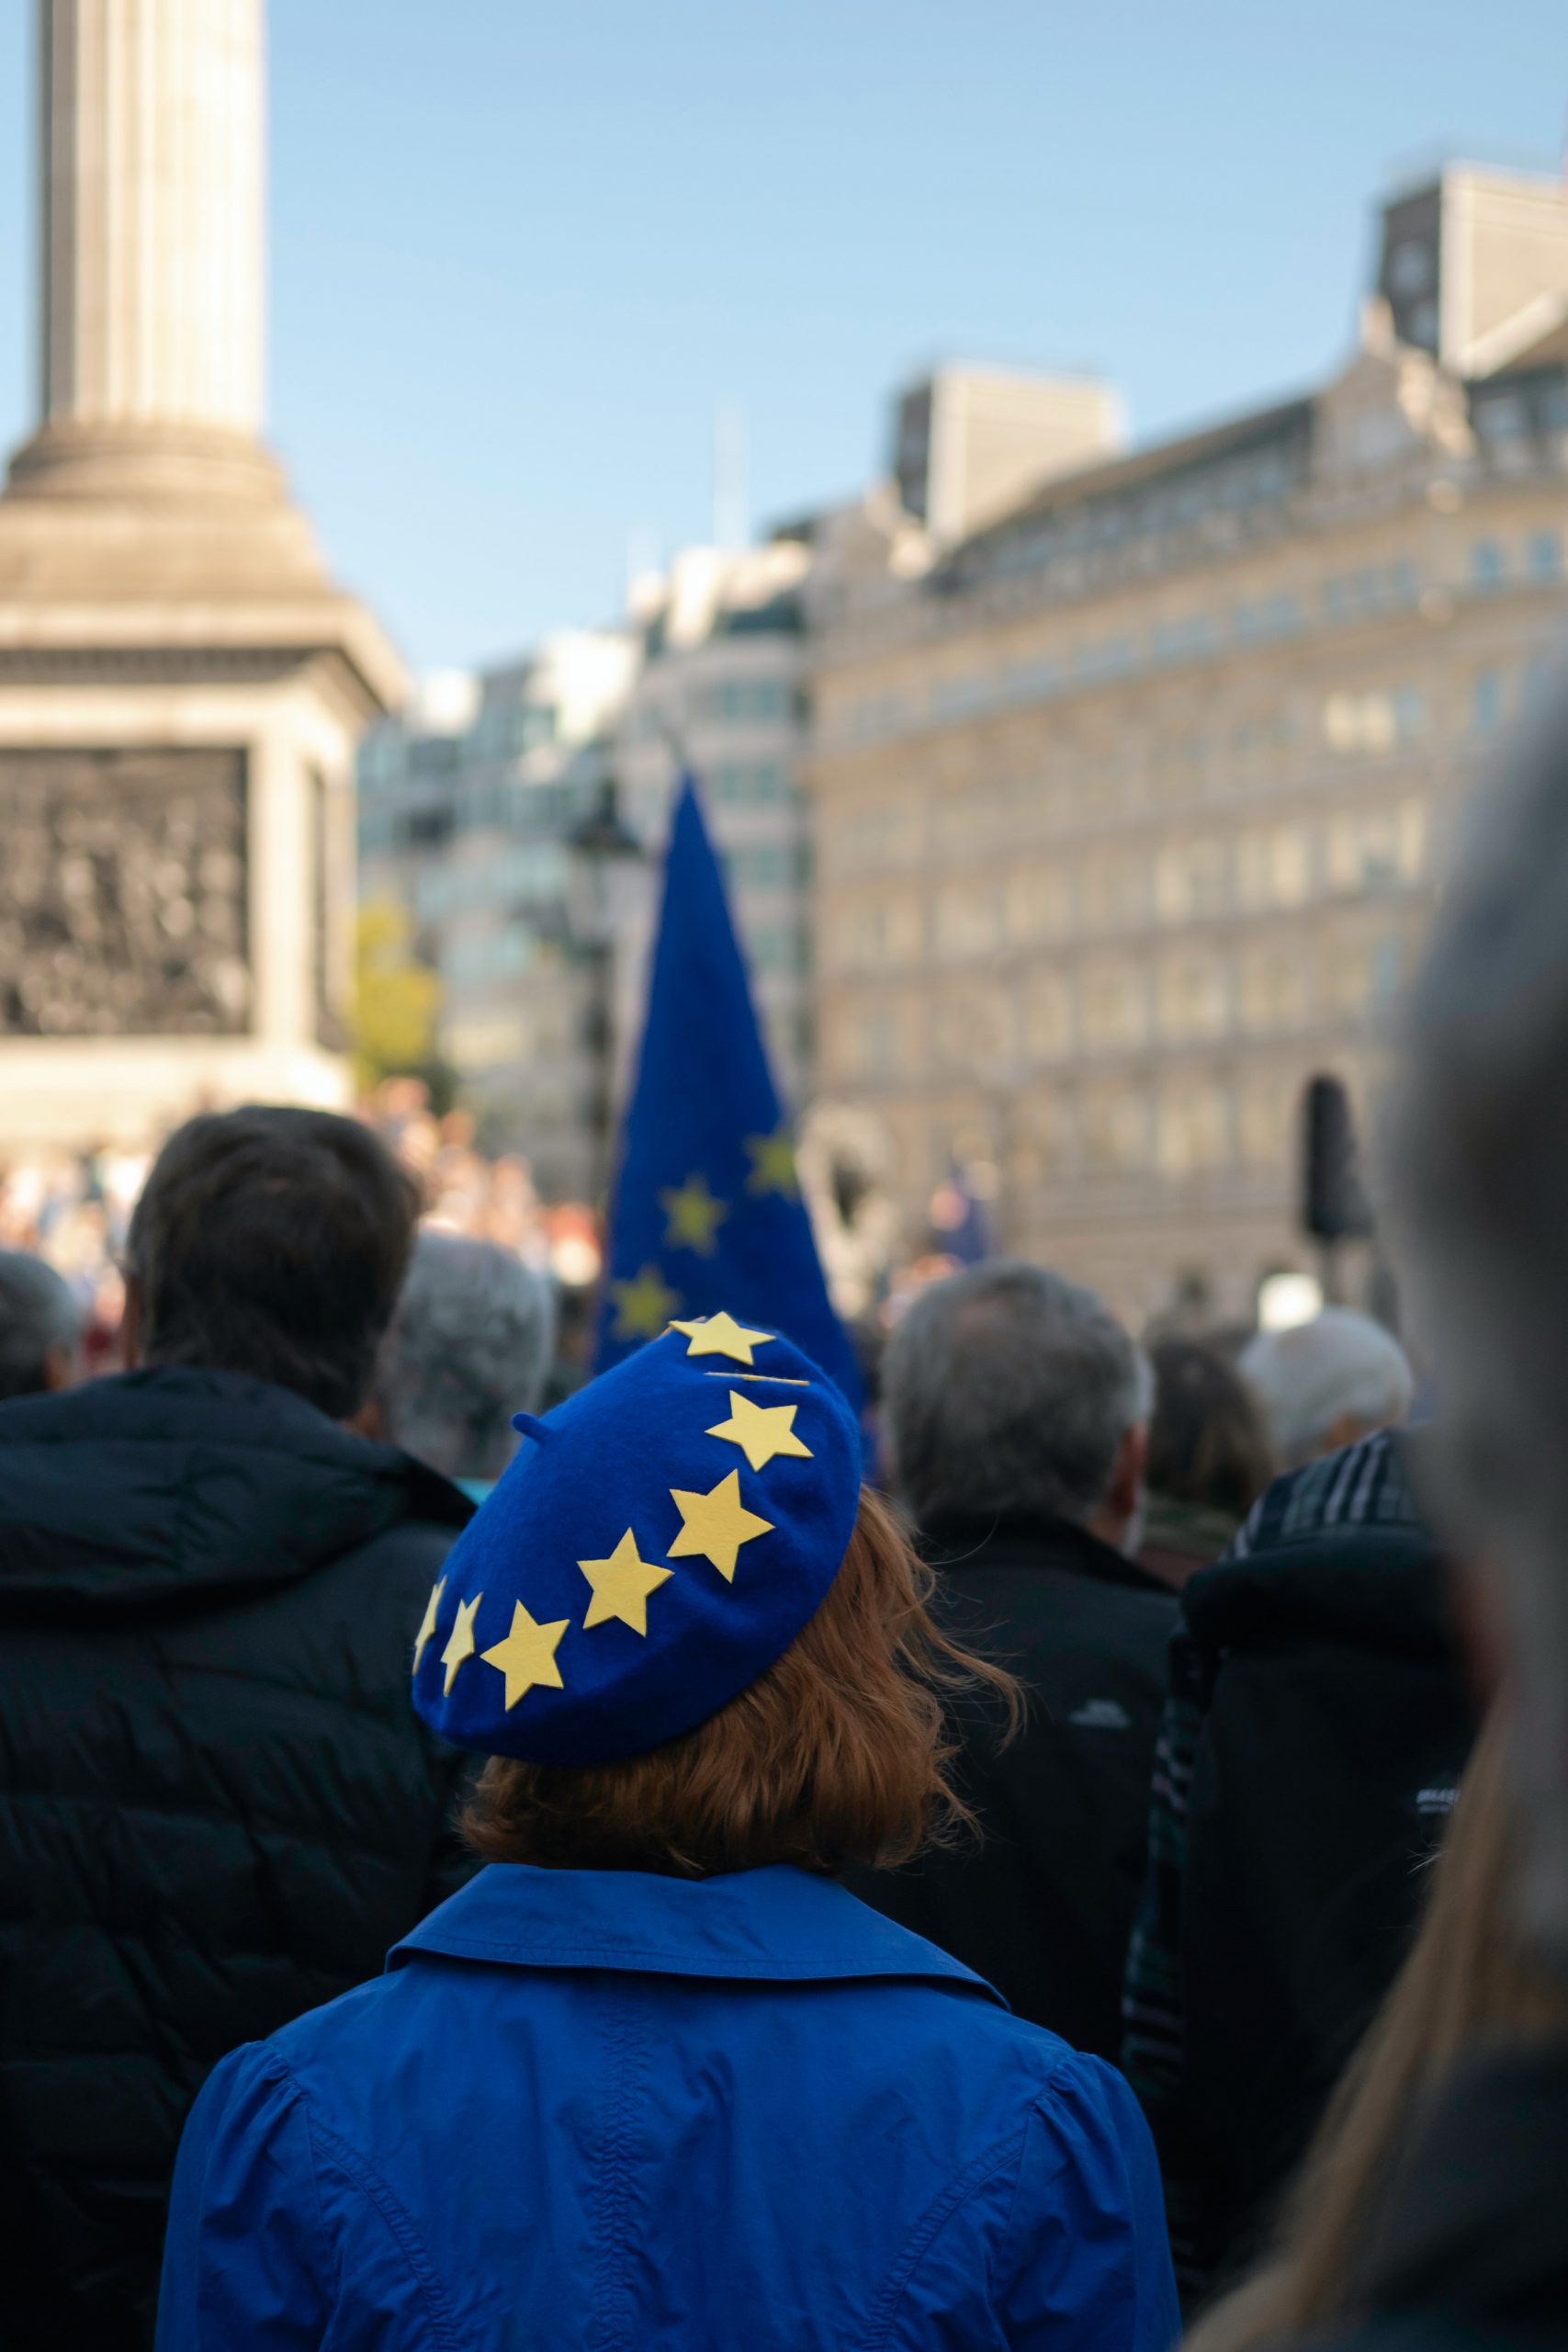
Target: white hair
39, 1313
469, 1345
1007, 1390
1340, 1365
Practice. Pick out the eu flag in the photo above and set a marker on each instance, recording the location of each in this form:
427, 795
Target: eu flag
707, 1212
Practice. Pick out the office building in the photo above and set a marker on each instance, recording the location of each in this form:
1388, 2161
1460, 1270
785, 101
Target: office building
1128, 806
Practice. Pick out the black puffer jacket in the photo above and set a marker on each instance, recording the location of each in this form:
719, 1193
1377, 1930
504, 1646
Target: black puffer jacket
216, 1806
1043, 1905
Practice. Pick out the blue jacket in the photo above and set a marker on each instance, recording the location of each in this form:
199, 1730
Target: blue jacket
605, 2109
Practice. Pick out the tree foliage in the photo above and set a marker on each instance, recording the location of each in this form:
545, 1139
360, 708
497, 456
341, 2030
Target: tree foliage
396, 997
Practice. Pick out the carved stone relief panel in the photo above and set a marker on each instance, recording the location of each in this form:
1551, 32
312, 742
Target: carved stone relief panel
123, 893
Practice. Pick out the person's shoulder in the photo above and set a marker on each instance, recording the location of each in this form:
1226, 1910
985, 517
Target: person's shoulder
961, 2043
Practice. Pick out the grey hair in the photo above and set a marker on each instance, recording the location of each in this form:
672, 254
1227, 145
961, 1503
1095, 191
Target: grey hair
1478, 1152
469, 1345
1339, 1364
39, 1312
1008, 1391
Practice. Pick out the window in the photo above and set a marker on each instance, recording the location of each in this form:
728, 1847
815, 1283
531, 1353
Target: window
1113, 1005
1387, 960
965, 920
1037, 903
747, 700
1273, 867
1191, 879
1544, 555
1194, 999
1276, 988
1486, 701
1486, 566
1113, 889
1260, 619
1114, 1128
1374, 721
1048, 1017
1195, 1128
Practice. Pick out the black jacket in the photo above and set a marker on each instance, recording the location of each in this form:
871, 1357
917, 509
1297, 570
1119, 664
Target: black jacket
1317, 1723
217, 1807
1043, 1907
1470, 2247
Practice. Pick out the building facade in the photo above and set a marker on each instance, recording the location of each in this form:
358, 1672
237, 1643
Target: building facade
467, 813
1128, 809
721, 691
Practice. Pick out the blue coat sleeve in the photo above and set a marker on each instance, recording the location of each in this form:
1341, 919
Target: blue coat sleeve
1085, 2266
247, 2262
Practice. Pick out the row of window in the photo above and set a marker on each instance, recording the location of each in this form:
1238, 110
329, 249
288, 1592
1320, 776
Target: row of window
1343, 597
768, 865
748, 784
1184, 999
532, 872
1353, 852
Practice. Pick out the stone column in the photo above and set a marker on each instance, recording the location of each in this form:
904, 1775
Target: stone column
152, 208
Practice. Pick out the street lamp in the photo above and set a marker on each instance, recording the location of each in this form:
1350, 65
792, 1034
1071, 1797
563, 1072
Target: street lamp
604, 855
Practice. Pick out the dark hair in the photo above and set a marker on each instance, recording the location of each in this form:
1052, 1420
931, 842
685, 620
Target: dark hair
272, 1241
1208, 1440
836, 1754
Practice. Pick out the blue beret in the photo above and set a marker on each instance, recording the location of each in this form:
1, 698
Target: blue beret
663, 1540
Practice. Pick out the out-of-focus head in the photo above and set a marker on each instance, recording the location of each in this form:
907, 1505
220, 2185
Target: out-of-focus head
1480, 1169
40, 1328
1011, 1393
1208, 1440
1325, 1383
272, 1241
469, 1345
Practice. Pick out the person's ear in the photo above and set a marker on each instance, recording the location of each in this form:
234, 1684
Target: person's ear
1124, 1497
368, 1420
131, 1325
61, 1367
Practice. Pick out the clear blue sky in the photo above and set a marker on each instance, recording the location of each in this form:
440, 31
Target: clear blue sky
519, 251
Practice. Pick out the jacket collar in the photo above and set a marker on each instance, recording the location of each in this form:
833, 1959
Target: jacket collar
1030, 1540
773, 1926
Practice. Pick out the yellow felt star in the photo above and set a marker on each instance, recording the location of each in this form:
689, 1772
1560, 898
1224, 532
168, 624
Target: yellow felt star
760, 1430
694, 1217
528, 1656
459, 1641
427, 1622
721, 1335
714, 1526
772, 1164
621, 1586
642, 1305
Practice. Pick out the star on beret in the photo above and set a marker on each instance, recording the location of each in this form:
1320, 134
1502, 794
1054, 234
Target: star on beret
459, 1641
721, 1335
714, 1526
621, 1586
760, 1432
527, 1655
427, 1632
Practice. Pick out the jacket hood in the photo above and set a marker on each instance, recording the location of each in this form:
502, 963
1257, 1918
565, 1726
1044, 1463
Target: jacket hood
161, 1484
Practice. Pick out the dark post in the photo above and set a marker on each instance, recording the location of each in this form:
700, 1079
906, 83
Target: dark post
1335, 1206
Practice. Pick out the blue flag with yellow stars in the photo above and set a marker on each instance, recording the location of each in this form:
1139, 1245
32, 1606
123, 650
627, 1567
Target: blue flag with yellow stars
707, 1215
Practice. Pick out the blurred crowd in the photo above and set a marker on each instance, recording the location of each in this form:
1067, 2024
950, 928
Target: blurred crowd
1206, 1702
